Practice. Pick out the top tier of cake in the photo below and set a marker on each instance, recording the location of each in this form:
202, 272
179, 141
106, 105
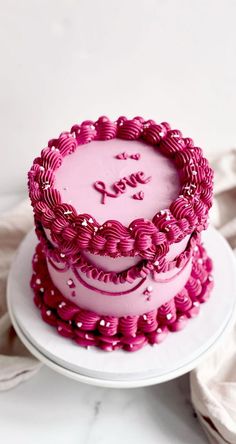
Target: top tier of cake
123, 188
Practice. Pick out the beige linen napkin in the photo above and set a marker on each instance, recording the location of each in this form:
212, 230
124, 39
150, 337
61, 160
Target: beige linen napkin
213, 383
16, 363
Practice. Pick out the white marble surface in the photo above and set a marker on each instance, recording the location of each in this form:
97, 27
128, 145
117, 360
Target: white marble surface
52, 409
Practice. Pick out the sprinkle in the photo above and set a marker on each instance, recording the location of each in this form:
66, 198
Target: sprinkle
52, 292
38, 281
196, 304
48, 312
46, 186
62, 254
86, 336
84, 223
169, 316
102, 322
114, 343
156, 263
161, 134
149, 288
163, 212
131, 345
175, 135
138, 196
67, 212
62, 304
135, 156
168, 217
108, 324
90, 220
122, 156
79, 324
95, 228
159, 330
70, 282
42, 289
41, 168
194, 172
145, 317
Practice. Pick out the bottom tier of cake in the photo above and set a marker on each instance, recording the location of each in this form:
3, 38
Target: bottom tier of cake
129, 332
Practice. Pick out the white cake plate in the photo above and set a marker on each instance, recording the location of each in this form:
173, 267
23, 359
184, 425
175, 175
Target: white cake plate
178, 354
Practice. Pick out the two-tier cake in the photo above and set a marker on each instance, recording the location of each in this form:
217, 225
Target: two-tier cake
119, 209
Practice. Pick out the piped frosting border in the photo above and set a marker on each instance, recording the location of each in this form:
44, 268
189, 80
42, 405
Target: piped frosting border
74, 232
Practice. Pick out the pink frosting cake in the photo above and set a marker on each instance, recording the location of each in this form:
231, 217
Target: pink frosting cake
119, 209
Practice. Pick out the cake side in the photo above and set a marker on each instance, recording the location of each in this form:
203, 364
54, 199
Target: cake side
88, 328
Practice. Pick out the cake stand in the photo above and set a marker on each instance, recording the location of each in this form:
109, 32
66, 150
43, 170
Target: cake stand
178, 354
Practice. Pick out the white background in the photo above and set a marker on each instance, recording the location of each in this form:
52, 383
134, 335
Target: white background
63, 61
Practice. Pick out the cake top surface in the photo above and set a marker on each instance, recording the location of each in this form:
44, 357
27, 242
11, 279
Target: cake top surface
138, 180
114, 204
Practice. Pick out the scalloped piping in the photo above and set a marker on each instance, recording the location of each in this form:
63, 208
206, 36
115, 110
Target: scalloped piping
130, 275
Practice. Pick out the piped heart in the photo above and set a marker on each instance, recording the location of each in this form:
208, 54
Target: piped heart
135, 156
138, 196
122, 156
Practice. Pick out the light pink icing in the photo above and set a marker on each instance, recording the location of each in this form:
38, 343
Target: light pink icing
97, 161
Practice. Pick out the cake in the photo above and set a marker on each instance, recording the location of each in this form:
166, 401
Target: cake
119, 207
